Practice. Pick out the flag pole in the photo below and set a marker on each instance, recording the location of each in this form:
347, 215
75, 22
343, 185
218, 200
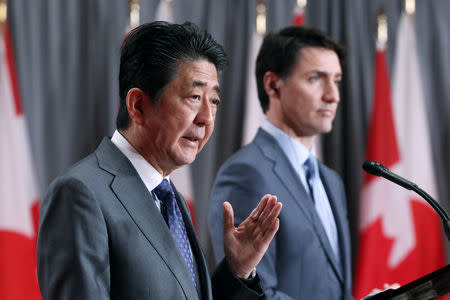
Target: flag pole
3, 13
261, 18
301, 3
410, 7
134, 13
382, 32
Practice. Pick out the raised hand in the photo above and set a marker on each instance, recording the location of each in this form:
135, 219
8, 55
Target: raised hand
246, 244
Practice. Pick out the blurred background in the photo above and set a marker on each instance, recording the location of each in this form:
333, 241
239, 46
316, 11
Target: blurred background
66, 57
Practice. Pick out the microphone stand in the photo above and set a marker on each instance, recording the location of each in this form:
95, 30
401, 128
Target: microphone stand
377, 169
437, 208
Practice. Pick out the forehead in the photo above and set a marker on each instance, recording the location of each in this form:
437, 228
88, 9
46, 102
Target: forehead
316, 58
197, 73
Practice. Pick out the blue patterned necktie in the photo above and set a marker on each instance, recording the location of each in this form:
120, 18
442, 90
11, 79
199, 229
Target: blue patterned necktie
174, 220
321, 203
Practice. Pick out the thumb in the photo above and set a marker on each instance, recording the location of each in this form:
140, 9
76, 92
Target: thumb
228, 217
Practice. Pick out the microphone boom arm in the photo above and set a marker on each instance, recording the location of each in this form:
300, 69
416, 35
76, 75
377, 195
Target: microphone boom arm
377, 169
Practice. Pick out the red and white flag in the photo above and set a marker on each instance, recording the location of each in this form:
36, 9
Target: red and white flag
299, 16
253, 115
400, 235
19, 205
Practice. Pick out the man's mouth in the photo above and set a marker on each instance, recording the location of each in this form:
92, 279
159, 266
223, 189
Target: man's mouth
326, 112
192, 140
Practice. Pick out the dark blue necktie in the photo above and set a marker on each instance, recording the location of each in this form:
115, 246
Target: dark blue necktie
309, 170
174, 220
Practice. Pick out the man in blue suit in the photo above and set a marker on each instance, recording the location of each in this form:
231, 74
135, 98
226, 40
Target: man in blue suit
113, 226
298, 72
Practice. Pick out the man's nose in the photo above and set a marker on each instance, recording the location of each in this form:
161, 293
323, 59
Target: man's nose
205, 114
331, 92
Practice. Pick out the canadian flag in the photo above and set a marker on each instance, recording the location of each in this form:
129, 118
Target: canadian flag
400, 235
19, 205
181, 177
253, 114
299, 16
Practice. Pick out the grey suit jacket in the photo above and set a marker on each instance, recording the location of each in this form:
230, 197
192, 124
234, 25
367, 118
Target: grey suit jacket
101, 236
299, 263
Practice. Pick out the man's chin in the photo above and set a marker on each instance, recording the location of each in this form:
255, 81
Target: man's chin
326, 128
186, 160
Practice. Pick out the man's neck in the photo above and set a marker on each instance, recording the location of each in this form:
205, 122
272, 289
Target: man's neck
305, 140
133, 140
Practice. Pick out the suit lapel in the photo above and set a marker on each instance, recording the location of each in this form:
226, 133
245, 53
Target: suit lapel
137, 201
332, 188
291, 181
285, 172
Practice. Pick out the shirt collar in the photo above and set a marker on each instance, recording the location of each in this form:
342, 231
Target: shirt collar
146, 171
296, 152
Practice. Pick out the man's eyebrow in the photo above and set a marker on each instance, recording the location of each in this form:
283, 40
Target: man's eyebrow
325, 73
196, 83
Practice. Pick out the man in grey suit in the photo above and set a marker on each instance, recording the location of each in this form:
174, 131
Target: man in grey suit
113, 226
298, 71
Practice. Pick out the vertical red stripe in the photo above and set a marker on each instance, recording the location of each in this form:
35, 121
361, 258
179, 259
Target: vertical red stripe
12, 69
382, 143
374, 247
299, 16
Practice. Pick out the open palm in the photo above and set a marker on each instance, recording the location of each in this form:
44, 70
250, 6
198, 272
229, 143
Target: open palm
246, 244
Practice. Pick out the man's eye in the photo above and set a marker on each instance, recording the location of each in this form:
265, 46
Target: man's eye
195, 97
215, 101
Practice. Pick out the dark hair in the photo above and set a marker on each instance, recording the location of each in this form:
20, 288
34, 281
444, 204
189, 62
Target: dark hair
152, 53
280, 52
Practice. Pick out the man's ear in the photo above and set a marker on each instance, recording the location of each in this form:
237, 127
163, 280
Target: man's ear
271, 84
137, 101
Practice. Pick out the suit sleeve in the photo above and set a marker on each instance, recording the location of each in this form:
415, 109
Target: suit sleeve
226, 286
72, 249
243, 185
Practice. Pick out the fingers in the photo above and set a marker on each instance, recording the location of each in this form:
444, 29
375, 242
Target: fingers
271, 223
266, 221
260, 207
275, 212
270, 231
271, 210
228, 217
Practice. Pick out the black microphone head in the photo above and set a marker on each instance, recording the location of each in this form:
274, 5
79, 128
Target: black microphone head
374, 167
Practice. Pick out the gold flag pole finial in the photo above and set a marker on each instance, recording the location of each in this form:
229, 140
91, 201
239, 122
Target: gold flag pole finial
3, 11
382, 32
410, 7
301, 3
134, 13
261, 17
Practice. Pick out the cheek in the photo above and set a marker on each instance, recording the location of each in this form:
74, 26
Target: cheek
208, 131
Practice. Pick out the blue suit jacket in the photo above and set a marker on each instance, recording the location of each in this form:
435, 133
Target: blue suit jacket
101, 236
299, 263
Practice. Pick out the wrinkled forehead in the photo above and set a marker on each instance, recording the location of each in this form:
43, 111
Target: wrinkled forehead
198, 74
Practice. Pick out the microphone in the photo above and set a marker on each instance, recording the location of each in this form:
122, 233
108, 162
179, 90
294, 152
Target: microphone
377, 169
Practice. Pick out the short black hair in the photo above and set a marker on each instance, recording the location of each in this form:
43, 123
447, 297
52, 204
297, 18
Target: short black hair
152, 53
280, 52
